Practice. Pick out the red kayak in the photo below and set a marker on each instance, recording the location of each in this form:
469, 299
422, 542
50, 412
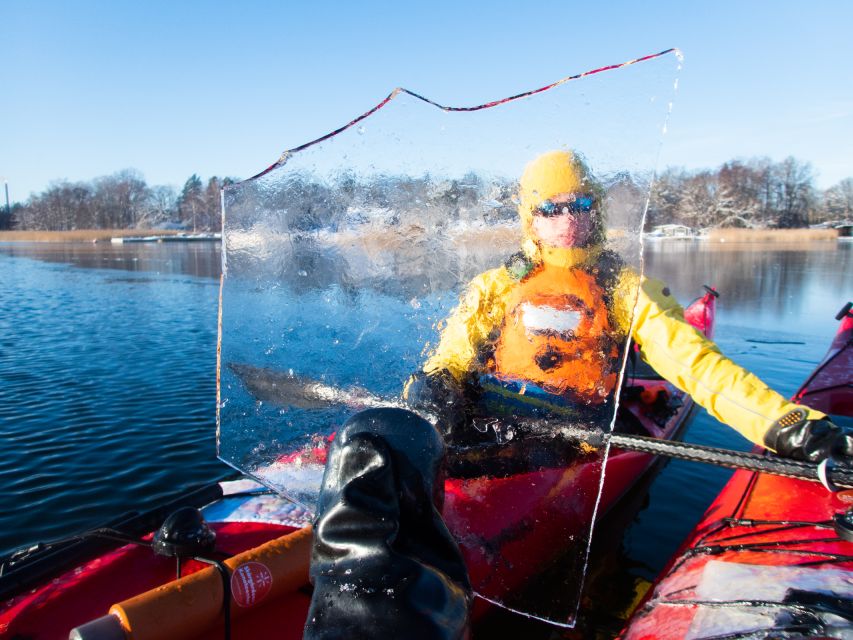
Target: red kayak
772, 557
264, 540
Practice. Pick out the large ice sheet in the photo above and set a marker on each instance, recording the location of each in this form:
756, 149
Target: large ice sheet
342, 262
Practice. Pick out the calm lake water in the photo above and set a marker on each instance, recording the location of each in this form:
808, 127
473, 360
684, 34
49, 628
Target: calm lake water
107, 374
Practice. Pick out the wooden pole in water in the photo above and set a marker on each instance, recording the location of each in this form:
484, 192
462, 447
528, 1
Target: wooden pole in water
8, 208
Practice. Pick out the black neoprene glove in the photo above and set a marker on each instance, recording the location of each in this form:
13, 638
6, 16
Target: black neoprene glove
794, 436
440, 395
383, 563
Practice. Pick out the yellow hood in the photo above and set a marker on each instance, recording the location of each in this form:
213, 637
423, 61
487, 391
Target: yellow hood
546, 176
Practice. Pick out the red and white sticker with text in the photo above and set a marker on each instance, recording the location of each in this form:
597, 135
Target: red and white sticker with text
250, 583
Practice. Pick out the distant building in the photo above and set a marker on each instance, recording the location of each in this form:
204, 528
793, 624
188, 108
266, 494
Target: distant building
674, 231
844, 227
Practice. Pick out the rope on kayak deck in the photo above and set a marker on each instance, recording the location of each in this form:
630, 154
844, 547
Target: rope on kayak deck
764, 463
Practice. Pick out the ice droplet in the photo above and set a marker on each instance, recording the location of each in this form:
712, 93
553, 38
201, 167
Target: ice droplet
414, 303
303, 273
362, 131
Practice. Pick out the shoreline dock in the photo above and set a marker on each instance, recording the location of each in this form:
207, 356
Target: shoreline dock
180, 237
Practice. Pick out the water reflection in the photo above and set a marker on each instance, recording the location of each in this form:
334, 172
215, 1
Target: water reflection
193, 258
796, 288
107, 383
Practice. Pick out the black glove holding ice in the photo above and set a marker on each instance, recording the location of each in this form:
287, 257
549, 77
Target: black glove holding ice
383, 562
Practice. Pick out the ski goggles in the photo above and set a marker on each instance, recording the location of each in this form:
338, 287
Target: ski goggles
583, 203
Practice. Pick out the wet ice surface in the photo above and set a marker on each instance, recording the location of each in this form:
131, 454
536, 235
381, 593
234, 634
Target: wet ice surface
342, 265
85, 445
771, 587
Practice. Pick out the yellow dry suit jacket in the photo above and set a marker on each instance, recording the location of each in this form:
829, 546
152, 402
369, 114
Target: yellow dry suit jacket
675, 349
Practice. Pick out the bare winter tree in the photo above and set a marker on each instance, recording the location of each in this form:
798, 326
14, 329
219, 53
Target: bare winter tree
794, 193
751, 193
741, 187
160, 206
665, 201
838, 201
699, 200
120, 200
63, 206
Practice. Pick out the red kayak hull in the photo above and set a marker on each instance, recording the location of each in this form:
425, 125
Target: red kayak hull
774, 530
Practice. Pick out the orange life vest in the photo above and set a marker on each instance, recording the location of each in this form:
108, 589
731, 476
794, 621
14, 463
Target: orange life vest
557, 334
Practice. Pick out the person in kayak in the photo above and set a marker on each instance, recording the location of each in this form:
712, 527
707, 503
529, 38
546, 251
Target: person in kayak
548, 323
552, 319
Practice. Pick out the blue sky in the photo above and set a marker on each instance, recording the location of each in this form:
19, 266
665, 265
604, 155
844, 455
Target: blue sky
175, 88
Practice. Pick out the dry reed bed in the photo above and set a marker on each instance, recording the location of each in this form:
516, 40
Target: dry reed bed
789, 236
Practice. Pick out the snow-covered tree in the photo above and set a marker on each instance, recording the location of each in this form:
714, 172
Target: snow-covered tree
838, 201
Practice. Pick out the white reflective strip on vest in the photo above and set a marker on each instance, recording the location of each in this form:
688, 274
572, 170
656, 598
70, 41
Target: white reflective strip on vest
543, 318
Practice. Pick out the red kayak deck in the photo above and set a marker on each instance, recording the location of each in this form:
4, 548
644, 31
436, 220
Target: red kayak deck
763, 539
87, 592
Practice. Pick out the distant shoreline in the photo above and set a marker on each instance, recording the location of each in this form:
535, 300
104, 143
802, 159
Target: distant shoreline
714, 235
81, 235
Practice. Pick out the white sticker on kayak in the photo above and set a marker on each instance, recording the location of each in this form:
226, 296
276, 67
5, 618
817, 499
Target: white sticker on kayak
250, 583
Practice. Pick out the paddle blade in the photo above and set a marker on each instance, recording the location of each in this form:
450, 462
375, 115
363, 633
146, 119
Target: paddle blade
286, 389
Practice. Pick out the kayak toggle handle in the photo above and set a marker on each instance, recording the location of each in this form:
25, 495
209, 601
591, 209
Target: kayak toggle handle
844, 525
185, 533
845, 311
